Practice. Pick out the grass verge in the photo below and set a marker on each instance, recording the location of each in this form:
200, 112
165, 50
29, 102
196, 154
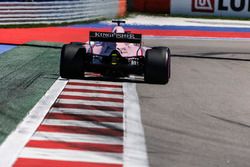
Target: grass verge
27, 72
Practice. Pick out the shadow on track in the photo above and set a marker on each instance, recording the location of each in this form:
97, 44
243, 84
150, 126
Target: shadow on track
209, 57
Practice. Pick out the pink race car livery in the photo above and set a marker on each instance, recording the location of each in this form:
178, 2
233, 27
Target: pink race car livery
117, 54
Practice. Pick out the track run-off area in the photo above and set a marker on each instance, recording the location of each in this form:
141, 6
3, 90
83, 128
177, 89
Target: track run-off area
200, 118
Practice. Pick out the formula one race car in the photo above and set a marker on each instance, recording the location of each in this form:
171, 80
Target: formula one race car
117, 54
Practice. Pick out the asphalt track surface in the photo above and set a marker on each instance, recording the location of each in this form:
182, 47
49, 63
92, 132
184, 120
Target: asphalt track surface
202, 117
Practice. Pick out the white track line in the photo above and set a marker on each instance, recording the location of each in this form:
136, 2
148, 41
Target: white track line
84, 124
135, 153
69, 155
15, 142
86, 112
92, 94
66, 137
86, 102
94, 88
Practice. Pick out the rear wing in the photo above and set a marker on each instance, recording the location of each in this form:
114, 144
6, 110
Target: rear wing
115, 37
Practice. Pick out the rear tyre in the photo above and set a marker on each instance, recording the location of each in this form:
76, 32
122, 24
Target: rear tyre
72, 61
157, 65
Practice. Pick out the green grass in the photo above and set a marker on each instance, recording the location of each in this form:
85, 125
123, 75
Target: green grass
26, 73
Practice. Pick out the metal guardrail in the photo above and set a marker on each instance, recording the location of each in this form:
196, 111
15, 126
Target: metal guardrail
56, 12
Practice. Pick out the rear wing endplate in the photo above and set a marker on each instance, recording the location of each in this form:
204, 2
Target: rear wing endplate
115, 37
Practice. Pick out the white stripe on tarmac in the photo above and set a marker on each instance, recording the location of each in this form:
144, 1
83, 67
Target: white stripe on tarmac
86, 112
84, 124
96, 82
70, 155
135, 152
66, 137
86, 102
94, 88
15, 142
92, 94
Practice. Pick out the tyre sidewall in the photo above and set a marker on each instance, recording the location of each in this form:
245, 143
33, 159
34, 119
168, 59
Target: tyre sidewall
157, 65
72, 61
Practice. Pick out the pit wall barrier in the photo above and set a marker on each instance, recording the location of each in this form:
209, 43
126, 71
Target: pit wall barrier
222, 8
57, 12
150, 6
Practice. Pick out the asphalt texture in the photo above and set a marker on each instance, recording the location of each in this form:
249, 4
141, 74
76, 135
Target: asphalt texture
202, 117
26, 73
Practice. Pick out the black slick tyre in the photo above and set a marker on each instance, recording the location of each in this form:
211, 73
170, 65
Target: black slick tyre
157, 68
72, 61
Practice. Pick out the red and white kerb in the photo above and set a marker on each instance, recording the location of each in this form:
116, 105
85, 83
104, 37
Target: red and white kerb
84, 128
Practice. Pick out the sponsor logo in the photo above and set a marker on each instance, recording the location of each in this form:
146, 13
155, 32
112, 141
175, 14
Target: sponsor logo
114, 35
234, 5
203, 6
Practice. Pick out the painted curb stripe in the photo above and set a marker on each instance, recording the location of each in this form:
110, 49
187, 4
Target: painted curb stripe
88, 107
89, 133
86, 112
196, 38
71, 155
79, 130
105, 99
66, 137
83, 117
95, 81
92, 91
93, 95
94, 88
25, 162
93, 84
59, 136
89, 102
66, 35
167, 27
76, 146
87, 124
5, 48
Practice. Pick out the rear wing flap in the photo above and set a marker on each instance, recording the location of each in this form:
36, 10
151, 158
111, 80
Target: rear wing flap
115, 37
